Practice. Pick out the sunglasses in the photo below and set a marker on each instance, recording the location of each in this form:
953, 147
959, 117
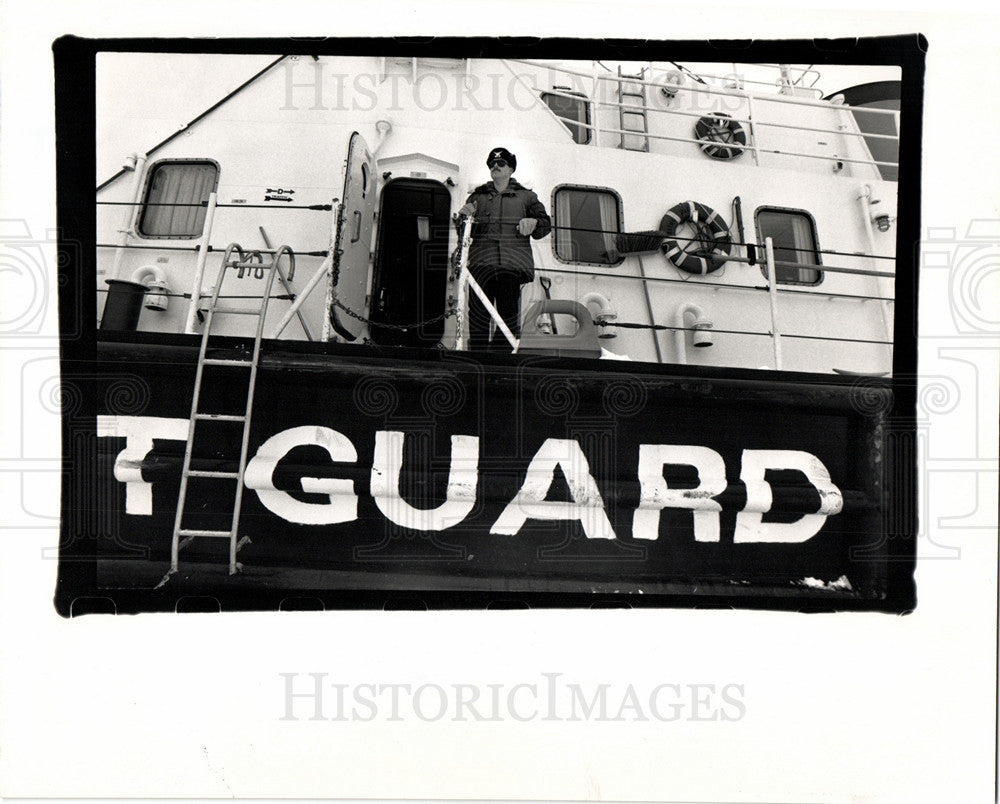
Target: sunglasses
497, 163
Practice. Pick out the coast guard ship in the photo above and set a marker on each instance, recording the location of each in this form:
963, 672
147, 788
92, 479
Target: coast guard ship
698, 406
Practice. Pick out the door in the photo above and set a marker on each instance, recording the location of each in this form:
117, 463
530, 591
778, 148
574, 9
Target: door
352, 245
410, 279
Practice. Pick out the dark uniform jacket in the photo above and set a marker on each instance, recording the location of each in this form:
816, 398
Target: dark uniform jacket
497, 246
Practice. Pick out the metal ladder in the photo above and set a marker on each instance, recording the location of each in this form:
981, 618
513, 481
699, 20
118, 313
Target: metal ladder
183, 536
632, 105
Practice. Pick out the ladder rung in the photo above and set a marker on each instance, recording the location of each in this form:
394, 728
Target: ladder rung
226, 361
221, 417
237, 310
210, 473
266, 266
215, 534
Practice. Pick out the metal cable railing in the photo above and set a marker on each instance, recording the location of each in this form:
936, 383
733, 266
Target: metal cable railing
755, 333
203, 248
204, 205
715, 285
759, 247
728, 92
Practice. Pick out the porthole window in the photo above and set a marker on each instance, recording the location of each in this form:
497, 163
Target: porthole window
572, 110
793, 233
587, 222
176, 199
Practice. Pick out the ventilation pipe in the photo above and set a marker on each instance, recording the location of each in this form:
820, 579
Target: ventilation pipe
603, 313
701, 335
153, 278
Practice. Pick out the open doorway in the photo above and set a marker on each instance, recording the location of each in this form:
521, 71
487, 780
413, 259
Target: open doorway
411, 262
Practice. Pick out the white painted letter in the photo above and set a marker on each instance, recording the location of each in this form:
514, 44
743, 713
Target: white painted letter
460, 498
139, 432
343, 505
530, 502
655, 496
750, 528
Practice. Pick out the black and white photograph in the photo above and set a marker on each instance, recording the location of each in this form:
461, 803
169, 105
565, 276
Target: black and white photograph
422, 329
513, 403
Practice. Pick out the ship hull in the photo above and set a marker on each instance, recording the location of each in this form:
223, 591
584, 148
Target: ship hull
407, 477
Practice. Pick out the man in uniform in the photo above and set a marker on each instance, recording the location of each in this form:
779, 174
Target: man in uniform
506, 215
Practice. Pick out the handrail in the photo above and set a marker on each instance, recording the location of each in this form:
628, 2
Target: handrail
772, 293
199, 270
128, 219
204, 204
805, 72
719, 285
750, 98
747, 120
211, 249
751, 148
700, 88
744, 80
465, 282
303, 295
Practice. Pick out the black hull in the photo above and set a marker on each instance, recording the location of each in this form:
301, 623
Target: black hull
861, 558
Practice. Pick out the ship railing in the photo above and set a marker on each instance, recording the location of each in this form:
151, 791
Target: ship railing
736, 79
203, 248
787, 81
763, 255
467, 282
753, 123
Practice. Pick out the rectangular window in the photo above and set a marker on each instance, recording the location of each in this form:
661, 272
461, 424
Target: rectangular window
176, 198
571, 110
587, 222
882, 150
794, 237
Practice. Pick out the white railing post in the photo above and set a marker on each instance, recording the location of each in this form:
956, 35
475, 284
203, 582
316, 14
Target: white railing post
199, 270
129, 216
752, 130
772, 292
300, 299
466, 282
461, 304
881, 283
470, 281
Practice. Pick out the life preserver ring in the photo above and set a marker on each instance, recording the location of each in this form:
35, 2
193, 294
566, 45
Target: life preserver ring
708, 250
721, 136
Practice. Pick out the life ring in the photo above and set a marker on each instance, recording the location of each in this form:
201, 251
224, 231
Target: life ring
721, 136
708, 250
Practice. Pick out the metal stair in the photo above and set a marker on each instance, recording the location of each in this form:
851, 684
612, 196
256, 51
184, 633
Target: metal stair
632, 112
182, 536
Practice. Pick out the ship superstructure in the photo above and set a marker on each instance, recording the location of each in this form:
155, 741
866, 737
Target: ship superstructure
369, 158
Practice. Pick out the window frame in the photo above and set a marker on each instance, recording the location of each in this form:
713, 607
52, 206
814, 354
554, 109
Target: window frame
761, 259
151, 170
565, 120
555, 222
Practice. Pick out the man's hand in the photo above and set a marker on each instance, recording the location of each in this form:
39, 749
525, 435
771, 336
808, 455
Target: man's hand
526, 226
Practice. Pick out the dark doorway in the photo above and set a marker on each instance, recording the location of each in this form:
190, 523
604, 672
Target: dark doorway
411, 262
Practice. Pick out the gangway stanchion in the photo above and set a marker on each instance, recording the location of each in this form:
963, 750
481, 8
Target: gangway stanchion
772, 292
466, 282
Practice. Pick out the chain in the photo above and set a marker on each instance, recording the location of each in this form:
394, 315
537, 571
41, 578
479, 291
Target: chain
401, 327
